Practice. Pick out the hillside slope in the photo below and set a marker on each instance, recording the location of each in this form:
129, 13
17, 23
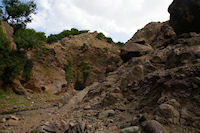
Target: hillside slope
49, 62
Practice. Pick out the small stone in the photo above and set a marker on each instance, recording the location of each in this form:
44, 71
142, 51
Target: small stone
87, 107
3, 120
12, 123
169, 112
106, 114
14, 117
28, 98
133, 129
135, 89
102, 132
153, 126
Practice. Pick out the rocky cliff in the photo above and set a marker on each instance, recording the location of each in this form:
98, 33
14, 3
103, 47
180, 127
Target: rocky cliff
156, 90
48, 72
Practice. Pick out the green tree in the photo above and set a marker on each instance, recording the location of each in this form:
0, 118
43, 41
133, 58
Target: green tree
29, 38
17, 12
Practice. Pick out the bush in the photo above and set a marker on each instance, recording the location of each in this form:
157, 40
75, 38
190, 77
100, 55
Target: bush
11, 64
109, 40
69, 73
85, 71
10, 61
29, 38
84, 47
40, 52
100, 36
66, 33
27, 70
120, 44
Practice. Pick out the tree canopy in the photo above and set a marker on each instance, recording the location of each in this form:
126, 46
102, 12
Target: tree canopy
17, 12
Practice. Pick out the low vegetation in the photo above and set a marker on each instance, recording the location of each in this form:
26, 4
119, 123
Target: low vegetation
80, 85
70, 75
101, 36
29, 38
69, 72
11, 62
66, 33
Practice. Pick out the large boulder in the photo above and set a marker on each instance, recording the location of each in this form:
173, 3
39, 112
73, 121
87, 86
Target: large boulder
155, 34
134, 50
184, 16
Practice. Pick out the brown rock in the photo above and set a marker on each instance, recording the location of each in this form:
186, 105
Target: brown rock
174, 103
134, 50
12, 122
18, 88
170, 113
184, 16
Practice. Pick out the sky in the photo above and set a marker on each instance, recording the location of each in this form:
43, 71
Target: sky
118, 19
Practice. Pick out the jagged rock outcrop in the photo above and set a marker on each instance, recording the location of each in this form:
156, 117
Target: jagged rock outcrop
156, 88
134, 50
152, 36
184, 16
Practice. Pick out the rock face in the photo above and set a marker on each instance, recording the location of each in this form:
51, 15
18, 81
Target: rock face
134, 50
184, 16
48, 70
157, 87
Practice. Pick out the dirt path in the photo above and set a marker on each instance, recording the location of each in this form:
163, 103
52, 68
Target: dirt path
33, 118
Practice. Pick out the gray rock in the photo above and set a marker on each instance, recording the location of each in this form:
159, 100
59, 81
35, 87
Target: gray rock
106, 114
134, 50
170, 113
133, 129
153, 126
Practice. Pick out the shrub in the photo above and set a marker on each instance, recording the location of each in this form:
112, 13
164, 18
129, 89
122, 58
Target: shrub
27, 70
11, 62
84, 47
66, 33
12, 65
29, 38
85, 71
69, 73
120, 44
100, 36
109, 40
41, 51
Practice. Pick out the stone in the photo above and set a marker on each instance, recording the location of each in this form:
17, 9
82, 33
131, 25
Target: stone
134, 50
196, 80
153, 126
184, 16
133, 129
170, 113
106, 114
18, 88
14, 117
12, 122
174, 103
87, 107
3, 120
102, 132
155, 34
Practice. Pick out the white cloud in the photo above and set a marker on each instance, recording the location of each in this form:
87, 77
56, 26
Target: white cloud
119, 19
